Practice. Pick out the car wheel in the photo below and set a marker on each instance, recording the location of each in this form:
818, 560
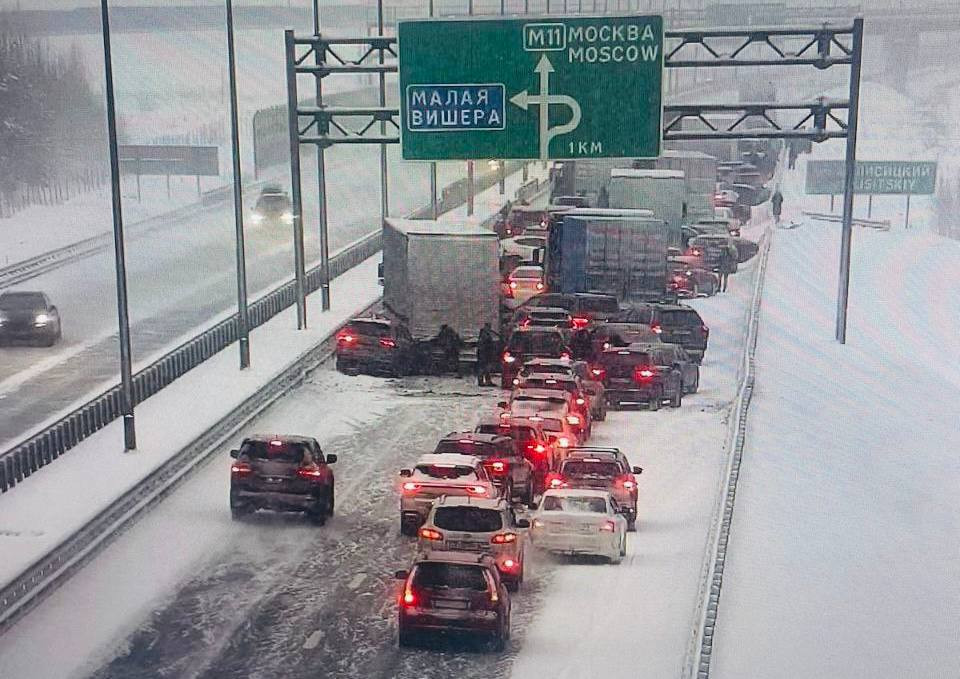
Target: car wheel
528, 493
632, 526
512, 586
240, 512
616, 558
623, 546
696, 384
408, 527
330, 502
318, 515
677, 399
499, 641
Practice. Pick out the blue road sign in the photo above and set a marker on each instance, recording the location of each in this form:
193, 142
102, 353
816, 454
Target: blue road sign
440, 108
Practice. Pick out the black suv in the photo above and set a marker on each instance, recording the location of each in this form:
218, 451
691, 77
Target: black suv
454, 592
286, 473
376, 345
675, 323
631, 376
509, 470
527, 343
273, 204
29, 316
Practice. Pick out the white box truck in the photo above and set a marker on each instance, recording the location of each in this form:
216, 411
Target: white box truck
441, 272
663, 191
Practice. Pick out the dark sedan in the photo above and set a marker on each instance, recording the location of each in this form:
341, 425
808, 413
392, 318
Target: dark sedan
29, 317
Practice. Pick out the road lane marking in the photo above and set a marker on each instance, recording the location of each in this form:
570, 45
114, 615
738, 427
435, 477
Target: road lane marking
313, 640
357, 580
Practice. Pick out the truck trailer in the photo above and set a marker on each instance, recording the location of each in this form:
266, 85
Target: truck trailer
437, 273
663, 191
610, 251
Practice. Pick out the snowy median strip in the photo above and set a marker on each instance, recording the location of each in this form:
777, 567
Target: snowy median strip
60, 519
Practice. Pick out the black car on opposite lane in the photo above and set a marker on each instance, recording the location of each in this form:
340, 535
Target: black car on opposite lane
29, 317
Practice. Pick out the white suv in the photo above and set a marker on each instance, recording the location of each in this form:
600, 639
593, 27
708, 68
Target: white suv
468, 524
439, 474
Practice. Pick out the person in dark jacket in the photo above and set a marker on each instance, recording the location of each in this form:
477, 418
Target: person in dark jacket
727, 264
777, 203
581, 344
449, 341
487, 346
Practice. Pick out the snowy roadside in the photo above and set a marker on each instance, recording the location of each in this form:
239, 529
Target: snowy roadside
842, 558
93, 474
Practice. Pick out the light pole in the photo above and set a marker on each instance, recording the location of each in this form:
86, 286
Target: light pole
321, 180
126, 369
243, 316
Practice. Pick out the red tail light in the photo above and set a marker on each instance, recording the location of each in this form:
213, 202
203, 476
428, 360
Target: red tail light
477, 490
565, 356
387, 342
508, 357
410, 487
536, 447
608, 527
555, 481
573, 419
513, 285
346, 338
240, 469
311, 473
509, 565
539, 285
525, 323
507, 291
656, 328
628, 482
409, 598
430, 534
498, 467
695, 252
705, 329
580, 323
645, 373
599, 373
580, 401
503, 538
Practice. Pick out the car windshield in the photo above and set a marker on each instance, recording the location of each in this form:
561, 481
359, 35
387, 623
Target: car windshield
17, 301
576, 504
552, 383
449, 576
534, 369
535, 343
527, 217
468, 519
466, 447
553, 318
582, 468
279, 450
524, 398
550, 424
525, 272
552, 299
273, 200
622, 364
684, 317
444, 471
369, 329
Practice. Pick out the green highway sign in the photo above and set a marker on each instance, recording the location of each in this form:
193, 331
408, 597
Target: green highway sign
875, 177
544, 88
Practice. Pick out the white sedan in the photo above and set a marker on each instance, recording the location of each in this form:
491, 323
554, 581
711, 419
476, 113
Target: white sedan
580, 521
527, 248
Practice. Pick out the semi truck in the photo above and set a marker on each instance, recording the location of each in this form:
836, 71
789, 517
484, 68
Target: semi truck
437, 273
663, 191
619, 252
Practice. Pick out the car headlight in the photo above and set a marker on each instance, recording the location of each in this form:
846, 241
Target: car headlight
287, 217
41, 319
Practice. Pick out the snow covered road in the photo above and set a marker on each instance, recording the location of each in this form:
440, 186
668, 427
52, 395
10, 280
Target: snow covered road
190, 593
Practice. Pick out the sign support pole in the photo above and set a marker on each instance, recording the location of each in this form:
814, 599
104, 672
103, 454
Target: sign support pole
850, 171
321, 181
243, 317
469, 188
126, 368
434, 207
384, 198
296, 198
906, 217
869, 206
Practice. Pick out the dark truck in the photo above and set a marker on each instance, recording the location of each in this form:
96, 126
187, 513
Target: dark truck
616, 252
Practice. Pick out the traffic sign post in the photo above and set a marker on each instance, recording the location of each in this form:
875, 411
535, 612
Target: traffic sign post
557, 88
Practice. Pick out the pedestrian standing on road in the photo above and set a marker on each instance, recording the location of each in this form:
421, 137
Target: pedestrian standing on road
777, 203
449, 341
486, 352
727, 265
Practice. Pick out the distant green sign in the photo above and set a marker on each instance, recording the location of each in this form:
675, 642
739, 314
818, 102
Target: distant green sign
550, 88
897, 177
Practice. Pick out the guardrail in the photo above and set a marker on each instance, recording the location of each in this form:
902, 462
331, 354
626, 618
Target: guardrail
879, 224
46, 446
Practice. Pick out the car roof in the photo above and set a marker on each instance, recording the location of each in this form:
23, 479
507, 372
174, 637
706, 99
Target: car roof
576, 492
528, 268
545, 393
596, 455
386, 322
450, 459
594, 449
547, 362
476, 436
286, 438
559, 377
537, 328
497, 503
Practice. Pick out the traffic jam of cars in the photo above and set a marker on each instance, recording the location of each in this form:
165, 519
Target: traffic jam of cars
569, 337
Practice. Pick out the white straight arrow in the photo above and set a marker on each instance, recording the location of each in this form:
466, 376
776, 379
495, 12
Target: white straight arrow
543, 100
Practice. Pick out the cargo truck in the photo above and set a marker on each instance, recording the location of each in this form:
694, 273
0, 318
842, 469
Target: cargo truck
437, 273
700, 172
663, 191
610, 251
